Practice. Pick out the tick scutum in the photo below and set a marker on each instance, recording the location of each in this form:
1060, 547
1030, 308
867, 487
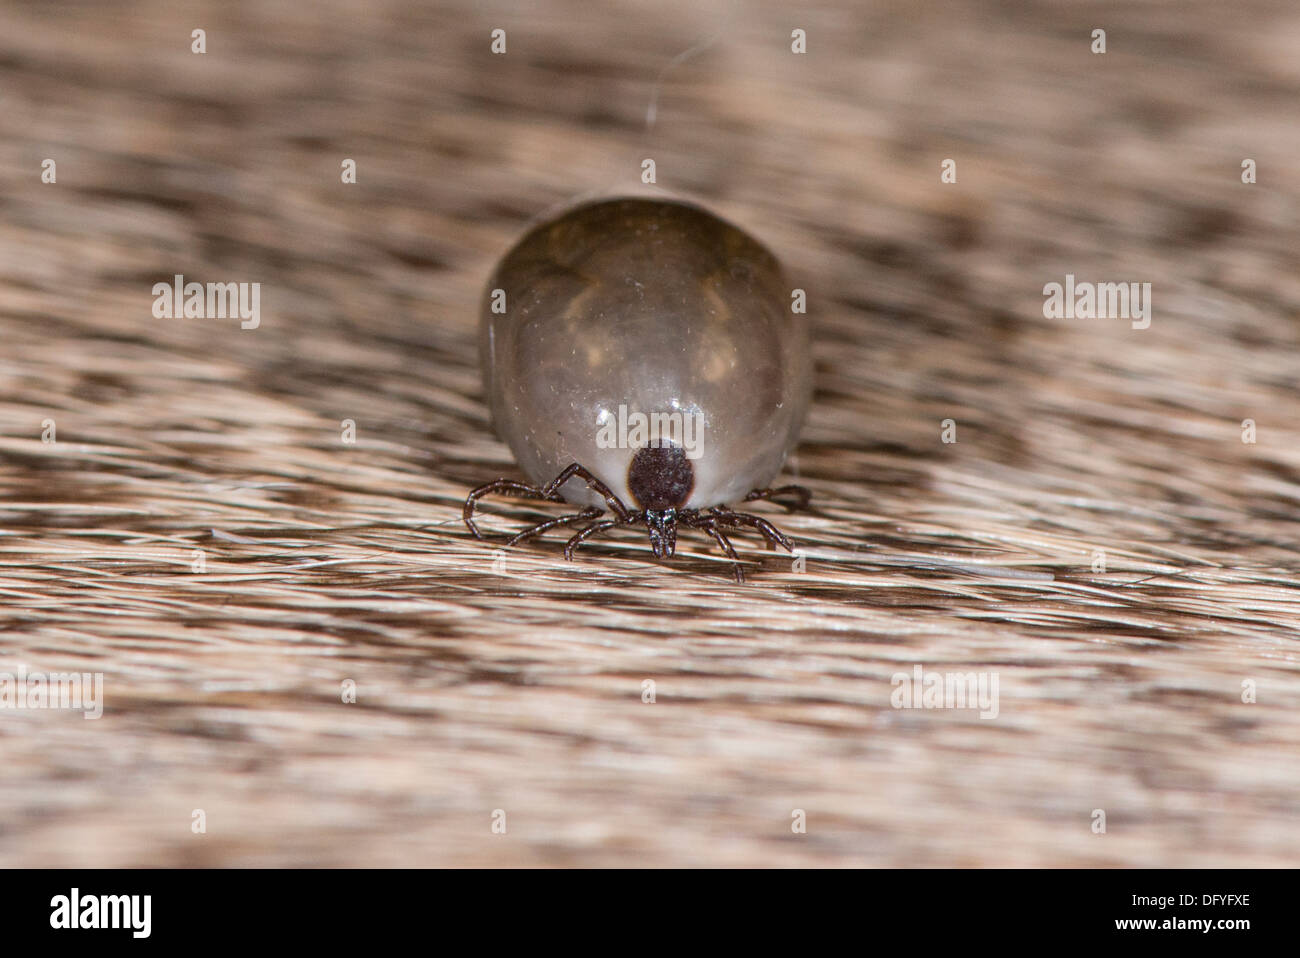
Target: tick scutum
660, 477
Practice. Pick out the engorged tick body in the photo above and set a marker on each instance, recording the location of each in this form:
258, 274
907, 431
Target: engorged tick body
660, 314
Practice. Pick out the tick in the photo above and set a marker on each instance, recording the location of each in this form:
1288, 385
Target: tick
641, 356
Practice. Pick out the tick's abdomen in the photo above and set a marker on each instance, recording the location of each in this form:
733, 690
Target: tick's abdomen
624, 310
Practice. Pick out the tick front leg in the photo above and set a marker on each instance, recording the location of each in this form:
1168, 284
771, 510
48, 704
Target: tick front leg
709, 524
583, 534
771, 533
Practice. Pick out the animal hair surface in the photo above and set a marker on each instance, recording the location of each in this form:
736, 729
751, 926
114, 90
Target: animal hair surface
1074, 506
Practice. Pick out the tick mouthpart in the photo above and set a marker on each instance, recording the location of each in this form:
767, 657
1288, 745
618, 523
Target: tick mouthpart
662, 524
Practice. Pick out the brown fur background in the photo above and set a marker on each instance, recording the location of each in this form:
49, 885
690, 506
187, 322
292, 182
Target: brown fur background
518, 687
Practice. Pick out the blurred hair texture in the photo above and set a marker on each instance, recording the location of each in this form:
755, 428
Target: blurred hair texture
1099, 536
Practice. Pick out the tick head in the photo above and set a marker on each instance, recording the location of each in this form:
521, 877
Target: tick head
661, 478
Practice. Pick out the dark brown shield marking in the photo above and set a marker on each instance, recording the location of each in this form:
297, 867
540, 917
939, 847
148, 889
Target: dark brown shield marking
661, 477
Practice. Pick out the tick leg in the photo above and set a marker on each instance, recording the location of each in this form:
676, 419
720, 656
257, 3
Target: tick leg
589, 513
710, 525
522, 489
575, 469
801, 494
584, 534
771, 533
